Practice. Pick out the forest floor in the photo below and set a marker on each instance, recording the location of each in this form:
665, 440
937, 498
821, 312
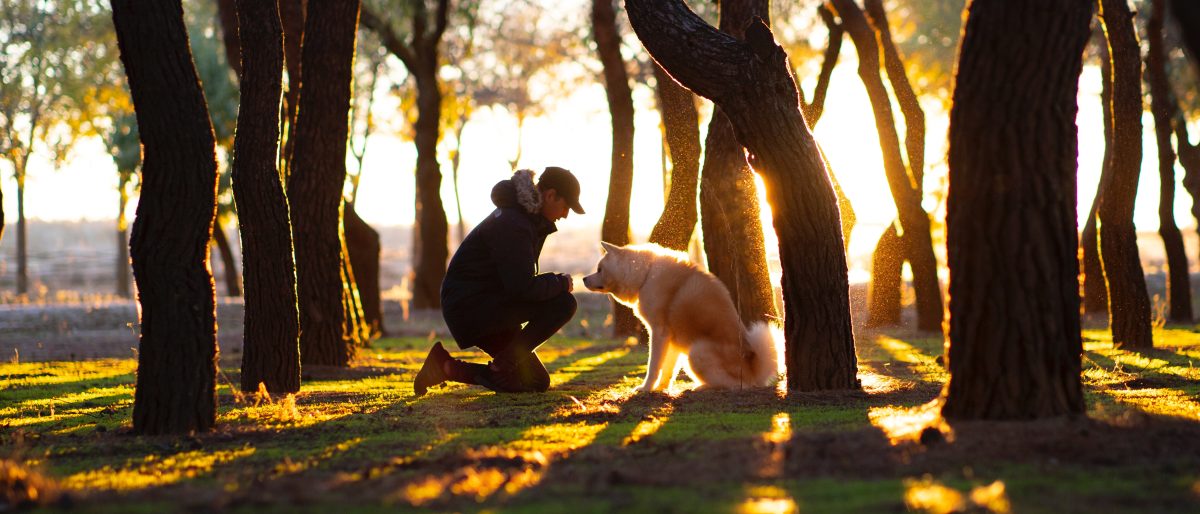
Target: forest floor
357, 440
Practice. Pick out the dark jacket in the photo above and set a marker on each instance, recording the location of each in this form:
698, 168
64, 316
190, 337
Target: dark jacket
497, 261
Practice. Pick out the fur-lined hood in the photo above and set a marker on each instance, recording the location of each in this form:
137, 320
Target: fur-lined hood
518, 191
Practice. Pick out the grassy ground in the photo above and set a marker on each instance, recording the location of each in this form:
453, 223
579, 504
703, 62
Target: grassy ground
357, 440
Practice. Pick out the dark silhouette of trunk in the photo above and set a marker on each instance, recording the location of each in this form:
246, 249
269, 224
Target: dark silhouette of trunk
681, 123
1189, 158
904, 181
1014, 345
1188, 14
1, 214
228, 15
271, 338
1128, 301
1095, 289
420, 57
752, 83
813, 110
22, 232
363, 243
291, 15
318, 173
355, 329
615, 228
233, 282
123, 290
1179, 291
455, 158
887, 262
730, 215
177, 351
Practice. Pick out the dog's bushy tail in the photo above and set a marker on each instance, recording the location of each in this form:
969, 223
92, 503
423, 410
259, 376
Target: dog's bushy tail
766, 339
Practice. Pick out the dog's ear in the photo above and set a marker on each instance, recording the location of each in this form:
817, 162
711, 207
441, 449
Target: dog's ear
606, 247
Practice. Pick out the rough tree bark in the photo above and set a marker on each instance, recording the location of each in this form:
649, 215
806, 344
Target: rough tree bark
270, 340
681, 122
420, 57
1014, 345
730, 215
752, 82
615, 228
916, 238
1095, 289
177, 351
1128, 301
1179, 291
318, 172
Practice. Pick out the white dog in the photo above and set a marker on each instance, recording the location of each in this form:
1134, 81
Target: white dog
690, 314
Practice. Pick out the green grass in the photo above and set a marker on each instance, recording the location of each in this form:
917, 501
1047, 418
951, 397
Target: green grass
358, 441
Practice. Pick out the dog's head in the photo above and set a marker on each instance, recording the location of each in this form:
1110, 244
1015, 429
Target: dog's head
616, 274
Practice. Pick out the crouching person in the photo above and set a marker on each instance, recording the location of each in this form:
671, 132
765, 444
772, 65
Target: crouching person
493, 297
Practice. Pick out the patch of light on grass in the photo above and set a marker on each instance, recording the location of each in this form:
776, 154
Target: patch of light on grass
780, 433
902, 424
584, 365
768, 500
924, 365
649, 424
1163, 402
993, 497
875, 383
56, 373
289, 467
929, 495
155, 471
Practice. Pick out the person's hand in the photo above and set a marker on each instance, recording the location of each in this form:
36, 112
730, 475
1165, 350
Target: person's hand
570, 282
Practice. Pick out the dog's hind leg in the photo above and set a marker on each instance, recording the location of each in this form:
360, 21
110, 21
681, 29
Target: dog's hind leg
654, 367
670, 367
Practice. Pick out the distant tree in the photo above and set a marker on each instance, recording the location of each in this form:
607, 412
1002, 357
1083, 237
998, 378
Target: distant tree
316, 179
752, 82
1179, 291
903, 180
615, 228
420, 55
1014, 344
681, 127
126, 150
362, 242
1128, 301
292, 15
1095, 289
730, 215
270, 341
177, 352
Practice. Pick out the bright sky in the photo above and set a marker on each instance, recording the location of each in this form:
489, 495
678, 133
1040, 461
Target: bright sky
577, 135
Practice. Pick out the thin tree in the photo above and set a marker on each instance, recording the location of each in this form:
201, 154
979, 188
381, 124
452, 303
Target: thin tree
681, 127
177, 351
1179, 291
752, 82
271, 344
126, 150
1095, 289
1128, 301
730, 215
420, 55
1014, 344
317, 175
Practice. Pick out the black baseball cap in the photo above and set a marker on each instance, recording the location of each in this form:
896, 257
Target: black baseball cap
562, 181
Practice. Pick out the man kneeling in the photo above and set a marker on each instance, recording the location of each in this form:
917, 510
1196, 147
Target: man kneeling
492, 288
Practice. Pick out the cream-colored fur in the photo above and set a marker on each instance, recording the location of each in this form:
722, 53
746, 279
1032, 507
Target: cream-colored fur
692, 320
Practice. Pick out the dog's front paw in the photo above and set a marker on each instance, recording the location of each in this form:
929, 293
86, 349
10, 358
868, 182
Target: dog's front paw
643, 389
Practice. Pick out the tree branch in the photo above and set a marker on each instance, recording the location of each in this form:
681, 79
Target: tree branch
696, 55
443, 17
388, 37
814, 110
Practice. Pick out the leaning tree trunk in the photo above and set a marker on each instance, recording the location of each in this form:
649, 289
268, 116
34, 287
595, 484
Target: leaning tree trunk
681, 122
730, 215
318, 172
233, 282
1014, 344
363, 243
615, 229
1128, 301
1095, 289
177, 351
753, 84
430, 245
1179, 291
917, 238
271, 338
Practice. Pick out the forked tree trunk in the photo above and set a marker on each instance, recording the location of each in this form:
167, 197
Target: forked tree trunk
1179, 291
752, 83
271, 337
318, 172
904, 184
681, 122
1095, 289
363, 243
1128, 301
814, 109
731, 218
233, 281
177, 351
615, 228
1014, 345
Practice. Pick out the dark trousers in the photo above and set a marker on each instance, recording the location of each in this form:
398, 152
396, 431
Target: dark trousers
497, 330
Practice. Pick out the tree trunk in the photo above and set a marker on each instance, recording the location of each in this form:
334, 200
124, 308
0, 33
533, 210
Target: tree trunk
1128, 301
228, 15
123, 290
291, 15
233, 282
813, 110
318, 172
271, 338
177, 351
1179, 291
886, 265
681, 123
22, 235
355, 330
753, 84
1189, 158
904, 181
615, 228
1014, 345
1095, 289
430, 247
363, 243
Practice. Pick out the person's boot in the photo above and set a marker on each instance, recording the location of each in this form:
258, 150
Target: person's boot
432, 371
